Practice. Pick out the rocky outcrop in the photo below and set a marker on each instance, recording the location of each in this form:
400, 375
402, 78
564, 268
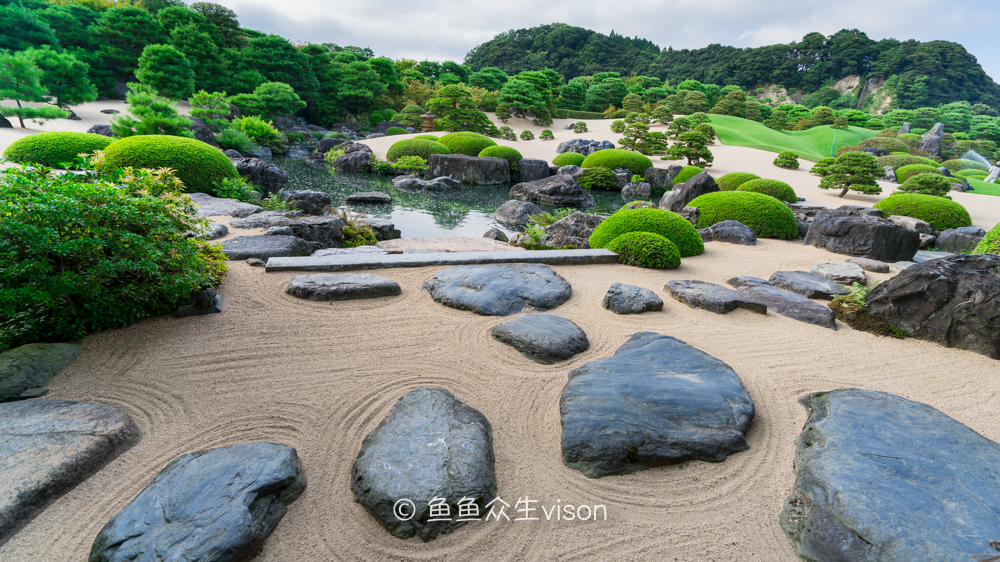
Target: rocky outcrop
931, 141
662, 179
560, 190
637, 190
202, 132
308, 201
572, 171
544, 338
516, 212
357, 157
499, 290
712, 297
678, 197
320, 232
32, 366
103, 130
854, 234
573, 230
468, 169
443, 183
264, 174
583, 146
959, 240
910, 223
531, 169
629, 299
209, 206
326, 145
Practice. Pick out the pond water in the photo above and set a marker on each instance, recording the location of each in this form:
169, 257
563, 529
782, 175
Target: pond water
419, 214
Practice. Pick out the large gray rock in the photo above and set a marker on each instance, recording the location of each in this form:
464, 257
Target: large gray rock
712, 297
308, 201
889, 174
383, 229
443, 183
622, 177
544, 338
431, 448
859, 209
209, 206
468, 169
791, 305
531, 169
731, 232
954, 301
320, 231
904, 129
560, 189
573, 230
49, 446
326, 145
33, 365
931, 141
264, 246
910, 223
214, 231
572, 171
678, 197
499, 290
662, 179
218, 505
341, 286
516, 212
202, 132
844, 273
853, 234
103, 130
583, 146
807, 284
264, 174
629, 299
637, 190
959, 240
357, 157
656, 401
879, 477
866, 264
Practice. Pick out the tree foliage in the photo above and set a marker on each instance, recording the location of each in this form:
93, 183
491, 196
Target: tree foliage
855, 171
149, 114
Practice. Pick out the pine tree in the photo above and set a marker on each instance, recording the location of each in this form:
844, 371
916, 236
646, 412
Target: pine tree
149, 114
822, 115
777, 121
209, 67
503, 112
520, 96
679, 126
20, 80
632, 103
692, 146
695, 102
122, 33
734, 103
456, 111
20, 28
840, 123
64, 76
638, 138
662, 115
853, 171
212, 108
167, 70
278, 99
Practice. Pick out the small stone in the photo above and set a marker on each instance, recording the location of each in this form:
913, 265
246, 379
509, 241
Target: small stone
205, 302
746, 281
280, 231
33, 365
629, 299
844, 273
369, 197
341, 286
544, 338
731, 232
866, 264
712, 297
496, 234
255, 262
809, 285
792, 305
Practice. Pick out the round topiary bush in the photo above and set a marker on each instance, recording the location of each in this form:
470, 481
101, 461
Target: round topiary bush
200, 166
612, 158
415, 147
928, 184
599, 178
972, 174
665, 223
527, 135
427, 137
646, 249
990, 244
391, 131
507, 153
777, 189
568, 159
686, 173
765, 215
52, 149
787, 159
962, 164
941, 213
469, 144
898, 160
885, 143
907, 172
733, 180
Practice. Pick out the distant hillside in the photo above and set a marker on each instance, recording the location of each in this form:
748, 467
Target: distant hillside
918, 74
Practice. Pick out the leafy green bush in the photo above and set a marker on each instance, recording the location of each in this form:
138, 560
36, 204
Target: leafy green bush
686, 173
941, 213
990, 244
618, 127
928, 184
506, 133
231, 139
546, 134
545, 219
391, 131
200, 166
731, 181
898, 160
822, 168
599, 178
962, 164
568, 159
765, 215
885, 143
665, 223
579, 127
415, 147
467, 143
907, 172
78, 256
261, 132
527, 135
777, 189
646, 249
787, 159
612, 158
238, 188
52, 149
296, 137
507, 153
973, 174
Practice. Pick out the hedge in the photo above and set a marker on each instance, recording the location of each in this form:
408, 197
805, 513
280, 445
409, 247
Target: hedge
777, 189
941, 213
568, 159
467, 143
907, 172
507, 153
52, 149
732, 180
200, 166
570, 114
885, 143
928, 184
393, 131
974, 174
427, 137
990, 244
686, 173
646, 249
765, 215
665, 223
962, 164
898, 160
415, 147
612, 158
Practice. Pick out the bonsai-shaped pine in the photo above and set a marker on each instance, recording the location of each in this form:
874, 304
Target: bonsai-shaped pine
20, 80
855, 171
822, 168
693, 146
631, 117
457, 111
662, 115
840, 123
580, 127
546, 134
278, 98
527, 135
632, 103
618, 126
506, 133
149, 114
503, 112
64, 76
520, 96
638, 138
679, 126
708, 131
928, 184
410, 116
787, 159
212, 108
822, 115
167, 70
699, 118
734, 103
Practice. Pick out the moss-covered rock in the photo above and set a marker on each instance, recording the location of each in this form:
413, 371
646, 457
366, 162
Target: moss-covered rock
941, 213
962, 164
201, 167
612, 158
765, 215
415, 147
665, 223
777, 189
733, 180
54, 148
990, 244
467, 143
646, 249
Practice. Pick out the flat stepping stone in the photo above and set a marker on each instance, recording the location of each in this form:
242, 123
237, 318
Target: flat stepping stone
656, 401
430, 448
732, 232
341, 286
355, 251
843, 273
866, 264
545, 338
265, 246
792, 305
369, 197
712, 297
927, 255
879, 477
499, 290
213, 505
746, 281
47, 447
809, 285
209, 206
32, 366
629, 299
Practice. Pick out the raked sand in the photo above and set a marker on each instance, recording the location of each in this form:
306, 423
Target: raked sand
320, 376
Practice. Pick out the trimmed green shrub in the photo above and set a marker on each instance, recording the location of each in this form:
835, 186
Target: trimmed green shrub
506, 133
467, 143
907, 172
765, 215
52, 149
546, 134
646, 249
391, 131
618, 127
231, 139
941, 213
885, 143
570, 114
612, 158
962, 164
568, 159
973, 174
527, 135
686, 173
822, 168
579, 127
426, 137
415, 147
928, 184
731, 181
898, 160
658, 221
507, 153
599, 178
198, 165
787, 159
990, 244
777, 189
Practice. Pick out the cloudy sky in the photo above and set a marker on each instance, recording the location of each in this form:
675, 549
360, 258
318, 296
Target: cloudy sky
448, 29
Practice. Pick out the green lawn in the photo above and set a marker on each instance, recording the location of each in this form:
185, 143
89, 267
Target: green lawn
979, 186
813, 144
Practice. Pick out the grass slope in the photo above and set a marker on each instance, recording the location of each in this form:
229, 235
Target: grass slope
979, 186
812, 144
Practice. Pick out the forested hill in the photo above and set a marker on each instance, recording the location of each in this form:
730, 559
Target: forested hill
919, 74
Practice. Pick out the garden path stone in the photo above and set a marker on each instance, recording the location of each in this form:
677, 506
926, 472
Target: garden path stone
844, 273
499, 290
863, 236
866, 264
544, 338
430, 445
792, 305
732, 232
33, 365
209, 206
341, 286
218, 505
629, 299
809, 285
369, 197
879, 477
656, 401
746, 281
264, 246
712, 297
